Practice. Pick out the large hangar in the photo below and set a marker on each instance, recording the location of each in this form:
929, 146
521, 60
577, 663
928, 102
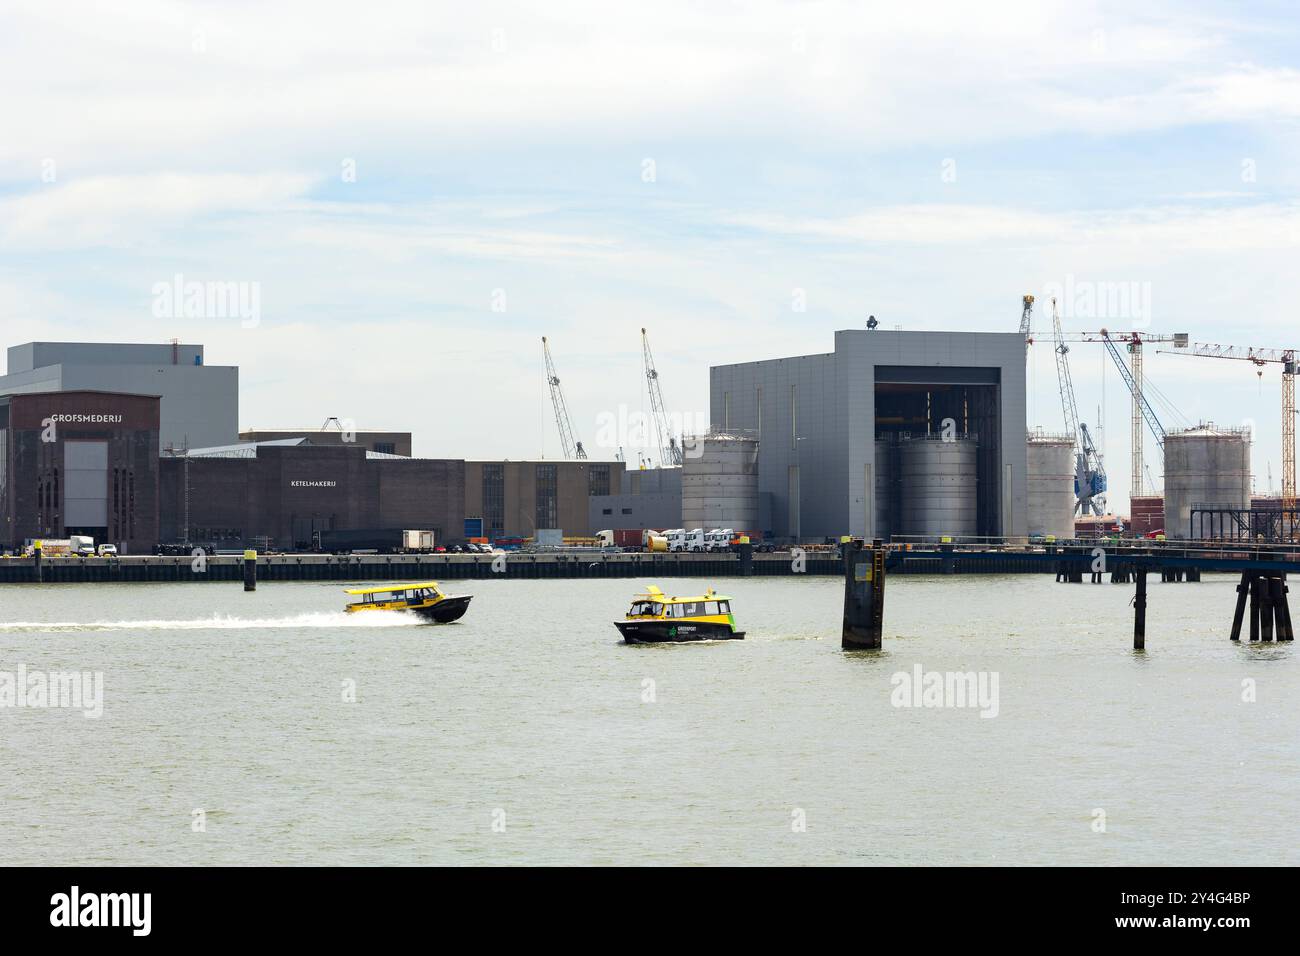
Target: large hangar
839, 432
79, 462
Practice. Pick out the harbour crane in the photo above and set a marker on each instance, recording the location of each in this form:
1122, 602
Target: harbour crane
1089, 473
1142, 410
1261, 357
572, 448
1026, 321
670, 453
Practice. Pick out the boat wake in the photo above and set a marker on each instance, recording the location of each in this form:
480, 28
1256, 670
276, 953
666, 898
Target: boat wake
218, 622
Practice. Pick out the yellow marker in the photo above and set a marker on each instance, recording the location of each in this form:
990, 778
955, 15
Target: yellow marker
250, 555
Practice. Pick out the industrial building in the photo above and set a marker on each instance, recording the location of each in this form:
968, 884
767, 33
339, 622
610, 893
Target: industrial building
199, 402
517, 498
79, 462
278, 494
944, 411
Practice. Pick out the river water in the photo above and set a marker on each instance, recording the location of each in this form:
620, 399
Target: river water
527, 733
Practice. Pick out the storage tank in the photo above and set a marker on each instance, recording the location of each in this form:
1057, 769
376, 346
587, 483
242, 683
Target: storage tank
720, 482
1049, 483
886, 488
937, 485
1205, 467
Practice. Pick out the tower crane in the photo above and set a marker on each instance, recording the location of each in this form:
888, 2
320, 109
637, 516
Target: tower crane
571, 447
1260, 358
1142, 410
1089, 473
670, 453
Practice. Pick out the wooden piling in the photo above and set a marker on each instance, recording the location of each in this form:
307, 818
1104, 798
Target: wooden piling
1282, 609
1243, 589
1256, 585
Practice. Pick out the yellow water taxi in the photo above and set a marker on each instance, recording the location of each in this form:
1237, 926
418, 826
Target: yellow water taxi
424, 599
655, 618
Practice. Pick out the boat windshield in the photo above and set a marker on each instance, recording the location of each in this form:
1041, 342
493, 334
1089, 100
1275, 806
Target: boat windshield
645, 609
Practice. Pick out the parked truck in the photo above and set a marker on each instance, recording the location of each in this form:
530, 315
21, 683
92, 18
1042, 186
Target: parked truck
633, 539
378, 540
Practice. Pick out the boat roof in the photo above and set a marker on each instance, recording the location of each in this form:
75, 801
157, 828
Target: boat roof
392, 587
652, 593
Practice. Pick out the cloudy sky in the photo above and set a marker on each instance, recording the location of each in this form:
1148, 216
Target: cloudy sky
417, 192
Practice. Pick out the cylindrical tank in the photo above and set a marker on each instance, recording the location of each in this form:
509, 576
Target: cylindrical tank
886, 484
720, 483
1205, 467
1049, 482
937, 486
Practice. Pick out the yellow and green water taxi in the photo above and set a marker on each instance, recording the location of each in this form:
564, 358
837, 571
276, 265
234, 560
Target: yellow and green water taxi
656, 618
423, 599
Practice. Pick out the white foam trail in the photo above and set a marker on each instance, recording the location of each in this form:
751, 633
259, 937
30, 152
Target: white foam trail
218, 622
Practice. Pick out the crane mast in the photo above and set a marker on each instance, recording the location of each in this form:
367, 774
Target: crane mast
1026, 320
572, 448
670, 453
1089, 474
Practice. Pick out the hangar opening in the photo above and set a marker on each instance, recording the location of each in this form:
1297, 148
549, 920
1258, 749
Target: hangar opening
937, 450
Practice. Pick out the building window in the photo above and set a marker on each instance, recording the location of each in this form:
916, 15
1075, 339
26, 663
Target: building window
547, 511
627, 511
386, 447
607, 511
494, 500
598, 480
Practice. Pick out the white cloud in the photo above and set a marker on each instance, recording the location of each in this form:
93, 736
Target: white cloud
112, 210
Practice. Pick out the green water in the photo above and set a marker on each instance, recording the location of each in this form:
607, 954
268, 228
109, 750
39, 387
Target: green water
528, 733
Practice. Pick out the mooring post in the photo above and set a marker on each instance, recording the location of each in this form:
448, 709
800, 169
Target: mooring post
1243, 589
250, 570
1140, 612
746, 549
864, 595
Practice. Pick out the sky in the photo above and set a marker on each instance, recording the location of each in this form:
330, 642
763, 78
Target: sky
405, 197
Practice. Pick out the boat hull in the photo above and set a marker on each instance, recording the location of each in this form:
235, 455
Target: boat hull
445, 611
673, 632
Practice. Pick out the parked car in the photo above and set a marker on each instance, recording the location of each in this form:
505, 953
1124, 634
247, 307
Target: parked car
108, 551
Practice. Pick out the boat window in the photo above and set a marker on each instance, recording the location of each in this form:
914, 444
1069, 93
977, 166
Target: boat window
710, 607
656, 609
724, 607
692, 609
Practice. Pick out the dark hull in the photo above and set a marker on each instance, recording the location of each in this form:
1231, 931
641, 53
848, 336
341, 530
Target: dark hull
445, 611
671, 632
